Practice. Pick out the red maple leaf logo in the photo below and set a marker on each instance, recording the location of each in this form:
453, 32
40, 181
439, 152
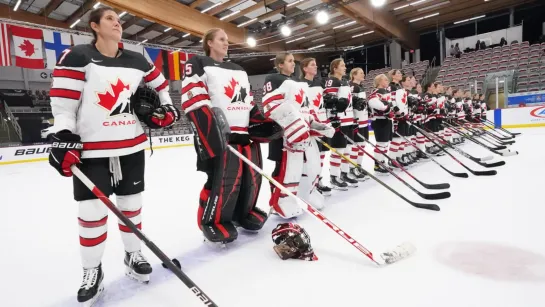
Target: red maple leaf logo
317, 100
230, 89
27, 47
299, 98
108, 99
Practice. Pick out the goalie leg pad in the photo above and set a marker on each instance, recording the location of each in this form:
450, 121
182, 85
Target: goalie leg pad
288, 173
209, 138
247, 215
309, 180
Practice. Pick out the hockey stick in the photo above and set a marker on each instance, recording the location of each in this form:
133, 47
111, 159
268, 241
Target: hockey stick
414, 204
465, 154
497, 131
492, 132
481, 132
501, 128
439, 186
494, 150
401, 251
459, 129
476, 173
460, 175
176, 270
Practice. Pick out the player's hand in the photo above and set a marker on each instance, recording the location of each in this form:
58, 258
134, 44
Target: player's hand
66, 150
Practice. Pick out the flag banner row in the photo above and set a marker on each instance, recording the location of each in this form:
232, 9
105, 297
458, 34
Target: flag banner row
41, 48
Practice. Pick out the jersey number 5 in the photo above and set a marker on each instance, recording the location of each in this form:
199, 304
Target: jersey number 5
267, 87
188, 69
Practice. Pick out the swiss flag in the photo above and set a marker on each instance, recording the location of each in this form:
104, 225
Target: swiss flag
28, 47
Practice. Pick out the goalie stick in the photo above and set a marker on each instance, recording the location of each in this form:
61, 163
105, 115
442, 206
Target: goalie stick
494, 150
414, 204
400, 252
476, 173
438, 186
460, 175
166, 260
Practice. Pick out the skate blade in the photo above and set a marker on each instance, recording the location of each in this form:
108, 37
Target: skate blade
398, 253
339, 188
95, 298
141, 278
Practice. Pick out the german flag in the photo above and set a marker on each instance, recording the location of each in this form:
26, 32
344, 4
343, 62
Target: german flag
172, 65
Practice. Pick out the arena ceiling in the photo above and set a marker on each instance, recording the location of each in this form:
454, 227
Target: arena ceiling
181, 23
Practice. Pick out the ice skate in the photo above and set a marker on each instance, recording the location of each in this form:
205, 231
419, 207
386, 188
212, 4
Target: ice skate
323, 189
91, 287
351, 182
358, 174
137, 267
338, 184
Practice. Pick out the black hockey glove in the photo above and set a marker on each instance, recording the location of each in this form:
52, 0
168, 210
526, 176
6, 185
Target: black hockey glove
357, 103
66, 150
342, 104
330, 101
412, 101
335, 122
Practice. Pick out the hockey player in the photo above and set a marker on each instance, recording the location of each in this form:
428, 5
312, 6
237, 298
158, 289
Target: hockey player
338, 101
381, 111
211, 87
282, 102
361, 119
316, 108
418, 119
460, 114
430, 101
98, 131
407, 83
484, 107
398, 97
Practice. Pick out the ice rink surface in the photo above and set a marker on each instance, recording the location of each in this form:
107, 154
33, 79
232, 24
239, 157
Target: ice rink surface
485, 247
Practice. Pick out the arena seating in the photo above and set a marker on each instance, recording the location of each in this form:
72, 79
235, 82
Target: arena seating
528, 60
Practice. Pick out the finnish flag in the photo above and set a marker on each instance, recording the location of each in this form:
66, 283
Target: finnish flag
55, 43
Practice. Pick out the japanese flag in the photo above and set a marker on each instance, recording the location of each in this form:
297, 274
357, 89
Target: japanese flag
28, 47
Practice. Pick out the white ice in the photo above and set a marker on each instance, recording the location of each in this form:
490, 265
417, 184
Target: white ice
484, 248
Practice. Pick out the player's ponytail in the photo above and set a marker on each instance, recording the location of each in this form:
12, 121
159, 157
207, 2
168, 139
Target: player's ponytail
95, 16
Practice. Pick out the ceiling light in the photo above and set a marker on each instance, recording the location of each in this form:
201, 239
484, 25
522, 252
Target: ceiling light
251, 42
469, 19
378, 3
96, 5
294, 40
122, 14
229, 15
17, 5
246, 22
293, 3
200, 41
357, 35
418, 2
421, 18
345, 24
433, 6
167, 29
478, 17
143, 41
186, 35
75, 23
319, 46
272, 59
322, 17
369, 32
460, 21
285, 30
401, 7
213, 6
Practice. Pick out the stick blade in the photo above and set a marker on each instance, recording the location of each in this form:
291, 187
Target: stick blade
495, 164
400, 252
485, 173
432, 207
510, 153
459, 175
438, 186
441, 195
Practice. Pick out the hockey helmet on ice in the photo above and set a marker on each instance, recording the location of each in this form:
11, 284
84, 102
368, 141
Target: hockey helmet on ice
292, 241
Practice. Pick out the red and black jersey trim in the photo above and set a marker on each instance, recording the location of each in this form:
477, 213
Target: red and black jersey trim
69, 73
115, 144
65, 93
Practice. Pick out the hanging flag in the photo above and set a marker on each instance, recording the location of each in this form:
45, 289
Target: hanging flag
154, 56
81, 39
135, 48
171, 65
55, 43
5, 54
28, 47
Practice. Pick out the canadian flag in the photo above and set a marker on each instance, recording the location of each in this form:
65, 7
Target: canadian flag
28, 47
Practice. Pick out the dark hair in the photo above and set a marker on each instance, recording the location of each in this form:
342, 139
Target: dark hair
209, 36
95, 16
428, 85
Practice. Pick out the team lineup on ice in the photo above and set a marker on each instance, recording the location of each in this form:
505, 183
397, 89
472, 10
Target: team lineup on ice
293, 202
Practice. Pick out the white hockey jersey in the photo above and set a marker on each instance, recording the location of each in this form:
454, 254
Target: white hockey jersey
363, 115
90, 96
316, 100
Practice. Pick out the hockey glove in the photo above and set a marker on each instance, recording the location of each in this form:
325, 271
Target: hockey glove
66, 150
335, 122
342, 104
330, 101
163, 117
358, 103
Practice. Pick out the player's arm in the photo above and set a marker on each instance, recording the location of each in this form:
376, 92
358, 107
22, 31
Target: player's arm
165, 115
198, 108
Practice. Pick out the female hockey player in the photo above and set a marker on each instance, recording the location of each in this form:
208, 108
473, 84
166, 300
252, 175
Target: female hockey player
213, 89
407, 84
318, 129
381, 111
98, 131
361, 119
338, 102
314, 92
282, 102
399, 103
429, 99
